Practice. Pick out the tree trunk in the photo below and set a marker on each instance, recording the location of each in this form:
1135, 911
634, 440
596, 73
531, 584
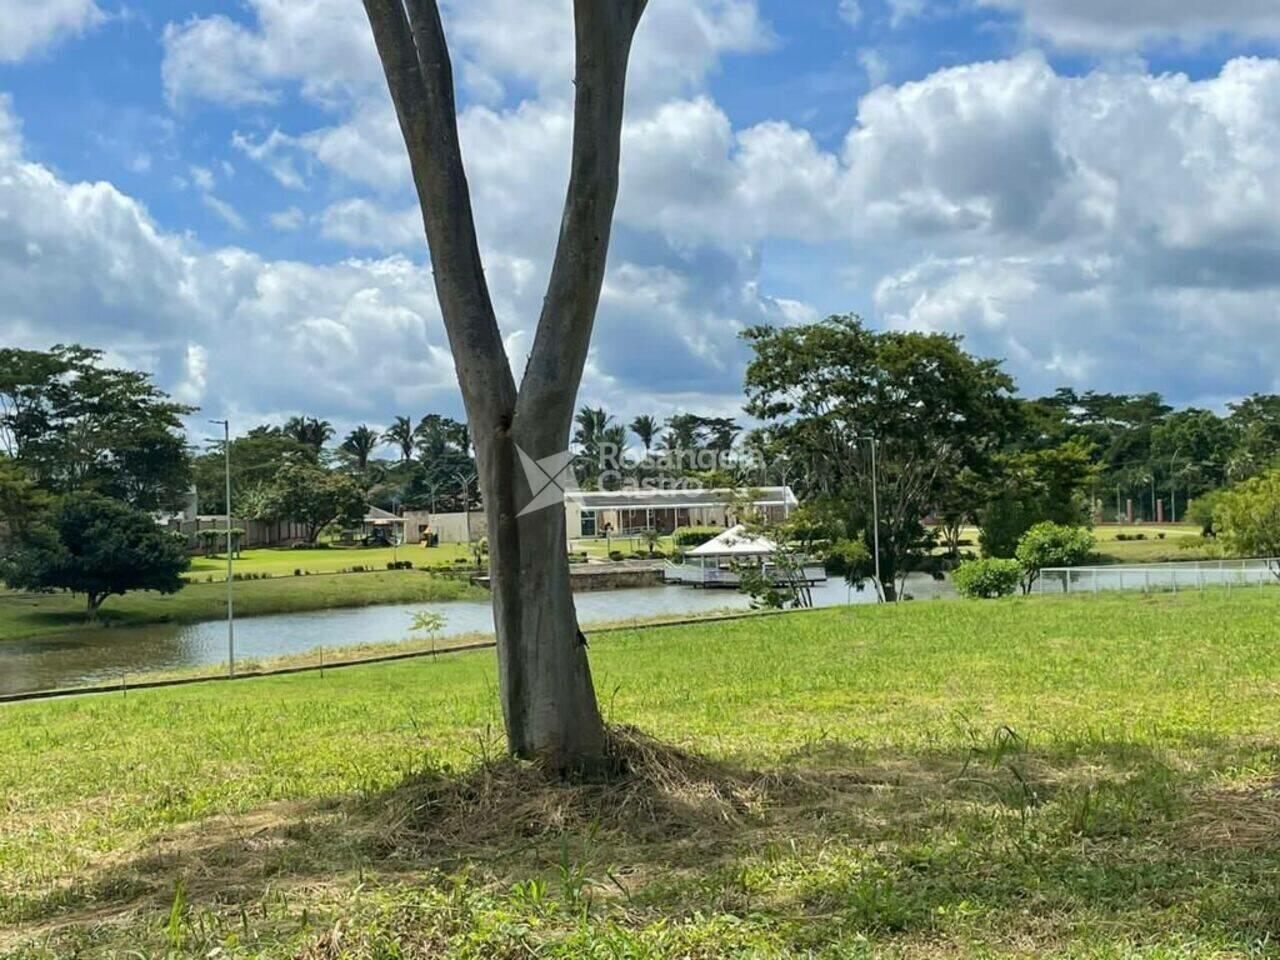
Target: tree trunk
94, 601
548, 700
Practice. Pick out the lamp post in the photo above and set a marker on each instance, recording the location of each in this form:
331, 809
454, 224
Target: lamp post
875, 513
231, 620
466, 480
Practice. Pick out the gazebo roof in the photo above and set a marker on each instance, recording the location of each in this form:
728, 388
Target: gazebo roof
735, 542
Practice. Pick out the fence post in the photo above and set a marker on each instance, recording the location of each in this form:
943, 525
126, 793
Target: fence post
1146, 581
1095, 579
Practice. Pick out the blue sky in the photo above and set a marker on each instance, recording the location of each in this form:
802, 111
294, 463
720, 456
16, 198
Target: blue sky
216, 192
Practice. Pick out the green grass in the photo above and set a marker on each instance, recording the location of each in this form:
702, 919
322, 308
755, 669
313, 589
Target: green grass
282, 562
25, 615
1073, 777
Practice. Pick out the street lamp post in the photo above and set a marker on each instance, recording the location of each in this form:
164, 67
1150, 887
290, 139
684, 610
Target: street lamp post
875, 514
231, 619
465, 480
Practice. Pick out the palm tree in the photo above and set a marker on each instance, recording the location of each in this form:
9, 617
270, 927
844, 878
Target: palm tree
645, 428
596, 427
400, 434
309, 431
360, 444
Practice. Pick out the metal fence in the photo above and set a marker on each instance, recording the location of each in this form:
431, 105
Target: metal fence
1161, 577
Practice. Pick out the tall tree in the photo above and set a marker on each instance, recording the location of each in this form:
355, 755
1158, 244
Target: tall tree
595, 429
826, 389
645, 428
312, 496
549, 703
309, 431
75, 424
400, 435
359, 446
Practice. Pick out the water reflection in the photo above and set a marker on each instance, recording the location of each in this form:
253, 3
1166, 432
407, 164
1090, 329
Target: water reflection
104, 654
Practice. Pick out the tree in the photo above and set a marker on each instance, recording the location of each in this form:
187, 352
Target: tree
1031, 487
438, 436
22, 502
75, 424
825, 389
645, 428
359, 446
314, 497
98, 547
1247, 518
400, 435
309, 431
598, 439
1051, 544
255, 458
549, 704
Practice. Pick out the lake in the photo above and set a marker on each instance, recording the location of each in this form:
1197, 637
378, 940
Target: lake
95, 655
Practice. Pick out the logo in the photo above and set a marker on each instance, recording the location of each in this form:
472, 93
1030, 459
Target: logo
549, 478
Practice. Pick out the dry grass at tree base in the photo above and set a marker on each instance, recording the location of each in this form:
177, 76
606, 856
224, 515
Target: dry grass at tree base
1083, 777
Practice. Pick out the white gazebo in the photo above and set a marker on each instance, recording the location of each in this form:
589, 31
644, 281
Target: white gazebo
716, 562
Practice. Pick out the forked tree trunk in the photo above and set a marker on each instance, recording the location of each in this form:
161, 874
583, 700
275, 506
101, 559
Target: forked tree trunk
548, 701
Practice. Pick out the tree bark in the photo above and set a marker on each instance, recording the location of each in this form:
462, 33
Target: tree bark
548, 700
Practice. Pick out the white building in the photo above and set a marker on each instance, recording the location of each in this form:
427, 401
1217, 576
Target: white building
593, 513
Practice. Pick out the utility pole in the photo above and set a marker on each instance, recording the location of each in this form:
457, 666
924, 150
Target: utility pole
875, 514
465, 480
231, 619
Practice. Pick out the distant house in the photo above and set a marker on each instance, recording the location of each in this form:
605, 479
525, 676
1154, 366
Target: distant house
592, 513
597, 513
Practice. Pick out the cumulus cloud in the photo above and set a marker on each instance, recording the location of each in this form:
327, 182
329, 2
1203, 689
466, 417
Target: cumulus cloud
31, 27
1114, 26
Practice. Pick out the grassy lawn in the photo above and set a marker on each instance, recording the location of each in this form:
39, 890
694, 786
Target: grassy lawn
283, 562
1180, 542
28, 615
1075, 777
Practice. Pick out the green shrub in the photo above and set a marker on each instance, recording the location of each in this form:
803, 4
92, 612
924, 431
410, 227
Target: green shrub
1052, 545
987, 579
1203, 510
616, 555
688, 537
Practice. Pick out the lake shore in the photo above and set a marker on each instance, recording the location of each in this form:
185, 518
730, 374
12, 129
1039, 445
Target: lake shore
27, 615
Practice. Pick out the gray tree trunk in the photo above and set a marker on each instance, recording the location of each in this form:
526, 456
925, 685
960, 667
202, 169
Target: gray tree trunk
548, 701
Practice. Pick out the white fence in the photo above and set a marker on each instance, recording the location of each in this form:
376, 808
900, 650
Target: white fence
1161, 577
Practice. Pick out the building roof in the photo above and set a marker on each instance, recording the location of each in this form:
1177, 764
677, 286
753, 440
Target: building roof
659, 499
377, 515
735, 542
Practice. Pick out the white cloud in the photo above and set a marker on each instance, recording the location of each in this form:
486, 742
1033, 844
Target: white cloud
288, 220
30, 27
901, 11
274, 153
850, 11
1111, 25
875, 65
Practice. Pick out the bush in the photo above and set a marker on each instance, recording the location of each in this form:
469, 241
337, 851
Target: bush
1052, 545
689, 537
616, 555
1247, 518
987, 579
1203, 510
